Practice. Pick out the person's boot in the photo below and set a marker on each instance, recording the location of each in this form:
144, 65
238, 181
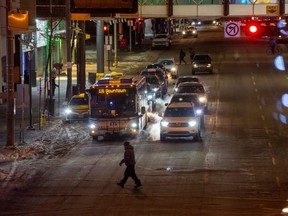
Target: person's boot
120, 184
138, 185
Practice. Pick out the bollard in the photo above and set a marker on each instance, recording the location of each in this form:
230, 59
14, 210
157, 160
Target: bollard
43, 119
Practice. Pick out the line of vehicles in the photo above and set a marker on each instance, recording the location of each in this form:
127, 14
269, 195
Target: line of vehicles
119, 105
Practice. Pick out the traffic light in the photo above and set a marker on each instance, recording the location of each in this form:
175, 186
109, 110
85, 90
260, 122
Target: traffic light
253, 29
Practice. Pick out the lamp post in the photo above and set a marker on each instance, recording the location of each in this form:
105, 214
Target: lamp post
30, 56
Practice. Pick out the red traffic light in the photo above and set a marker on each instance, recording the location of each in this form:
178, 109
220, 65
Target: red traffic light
253, 29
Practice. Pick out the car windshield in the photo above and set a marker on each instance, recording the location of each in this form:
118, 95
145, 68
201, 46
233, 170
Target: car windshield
184, 98
187, 79
191, 89
78, 101
179, 112
202, 57
152, 80
166, 62
161, 36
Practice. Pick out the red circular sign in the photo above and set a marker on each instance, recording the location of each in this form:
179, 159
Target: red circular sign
232, 29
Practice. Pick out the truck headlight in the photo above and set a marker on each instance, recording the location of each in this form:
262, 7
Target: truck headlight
164, 123
92, 126
202, 99
198, 112
192, 123
68, 111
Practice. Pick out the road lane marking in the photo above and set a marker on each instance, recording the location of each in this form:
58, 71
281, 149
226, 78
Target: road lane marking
270, 145
273, 161
278, 181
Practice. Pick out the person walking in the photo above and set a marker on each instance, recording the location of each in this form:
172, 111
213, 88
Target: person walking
272, 44
192, 53
182, 56
129, 160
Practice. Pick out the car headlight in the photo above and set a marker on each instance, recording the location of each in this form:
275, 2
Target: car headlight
176, 89
192, 123
149, 97
199, 112
173, 69
202, 99
195, 65
155, 89
164, 123
68, 111
92, 126
183, 32
208, 65
134, 125
194, 32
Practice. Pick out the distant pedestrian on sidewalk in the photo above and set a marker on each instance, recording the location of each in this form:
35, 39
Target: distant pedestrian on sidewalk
192, 53
129, 160
182, 55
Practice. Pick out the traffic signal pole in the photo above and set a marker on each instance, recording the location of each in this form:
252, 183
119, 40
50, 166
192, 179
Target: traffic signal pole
69, 55
9, 80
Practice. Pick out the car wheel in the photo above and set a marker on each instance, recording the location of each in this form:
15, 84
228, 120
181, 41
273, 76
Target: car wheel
153, 107
162, 137
66, 121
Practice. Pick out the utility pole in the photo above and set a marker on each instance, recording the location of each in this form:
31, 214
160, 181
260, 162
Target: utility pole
69, 55
9, 79
115, 44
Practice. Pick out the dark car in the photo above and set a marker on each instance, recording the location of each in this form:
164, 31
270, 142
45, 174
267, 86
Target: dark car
157, 65
202, 63
195, 88
159, 73
186, 79
155, 85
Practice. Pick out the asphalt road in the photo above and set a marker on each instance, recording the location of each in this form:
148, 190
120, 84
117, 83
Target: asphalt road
238, 168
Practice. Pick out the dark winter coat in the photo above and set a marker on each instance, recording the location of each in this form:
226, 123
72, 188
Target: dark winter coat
129, 157
182, 54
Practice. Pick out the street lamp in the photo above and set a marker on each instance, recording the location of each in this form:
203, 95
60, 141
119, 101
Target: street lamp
30, 56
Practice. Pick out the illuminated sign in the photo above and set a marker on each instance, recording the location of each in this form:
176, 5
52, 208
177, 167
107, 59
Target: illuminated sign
112, 91
107, 6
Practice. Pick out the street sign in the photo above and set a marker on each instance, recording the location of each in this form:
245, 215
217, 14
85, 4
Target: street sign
272, 10
232, 29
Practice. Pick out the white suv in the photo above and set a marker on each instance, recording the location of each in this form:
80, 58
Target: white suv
169, 64
180, 120
161, 40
